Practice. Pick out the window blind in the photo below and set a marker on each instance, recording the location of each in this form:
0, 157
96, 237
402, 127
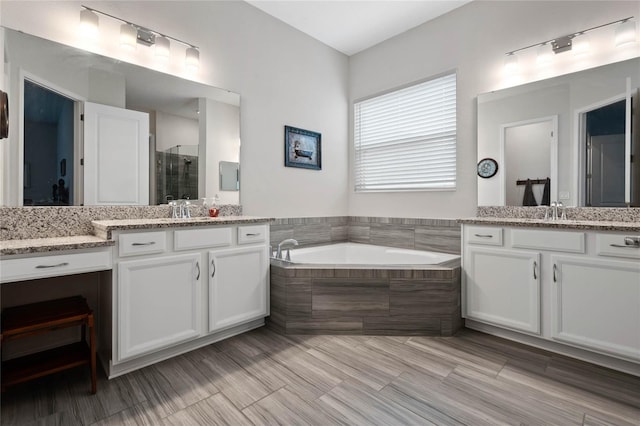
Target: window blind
406, 139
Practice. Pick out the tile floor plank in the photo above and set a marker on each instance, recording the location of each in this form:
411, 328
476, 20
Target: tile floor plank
262, 377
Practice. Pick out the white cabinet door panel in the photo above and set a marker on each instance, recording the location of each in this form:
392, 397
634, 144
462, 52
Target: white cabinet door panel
159, 303
116, 156
596, 304
238, 286
503, 287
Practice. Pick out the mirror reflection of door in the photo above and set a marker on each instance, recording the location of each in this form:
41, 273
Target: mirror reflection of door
529, 150
48, 173
605, 156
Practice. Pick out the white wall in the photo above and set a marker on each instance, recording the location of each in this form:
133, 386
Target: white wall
473, 40
172, 130
284, 77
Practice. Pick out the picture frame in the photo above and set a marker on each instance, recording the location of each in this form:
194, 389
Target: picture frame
302, 148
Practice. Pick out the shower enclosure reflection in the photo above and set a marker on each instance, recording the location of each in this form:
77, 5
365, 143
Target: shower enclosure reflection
177, 173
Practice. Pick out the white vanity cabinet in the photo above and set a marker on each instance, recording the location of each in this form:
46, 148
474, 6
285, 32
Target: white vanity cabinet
159, 303
503, 287
573, 291
237, 283
177, 289
596, 304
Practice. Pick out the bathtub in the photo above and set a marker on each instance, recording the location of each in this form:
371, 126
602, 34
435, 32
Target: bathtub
350, 288
366, 256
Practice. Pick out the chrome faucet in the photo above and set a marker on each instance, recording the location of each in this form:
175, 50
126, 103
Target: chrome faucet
180, 209
557, 211
282, 243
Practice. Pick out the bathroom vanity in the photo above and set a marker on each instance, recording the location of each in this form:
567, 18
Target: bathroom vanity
568, 286
170, 286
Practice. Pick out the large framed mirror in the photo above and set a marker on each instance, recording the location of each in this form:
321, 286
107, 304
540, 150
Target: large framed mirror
94, 130
572, 138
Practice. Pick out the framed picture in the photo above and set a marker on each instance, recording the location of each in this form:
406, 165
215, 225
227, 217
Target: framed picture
302, 148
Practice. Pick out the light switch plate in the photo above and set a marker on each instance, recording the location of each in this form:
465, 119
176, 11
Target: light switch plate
563, 195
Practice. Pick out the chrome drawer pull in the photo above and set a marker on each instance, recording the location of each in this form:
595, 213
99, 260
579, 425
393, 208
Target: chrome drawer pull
52, 266
198, 266
555, 271
629, 242
535, 266
213, 266
252, 235
483, 235
150, 243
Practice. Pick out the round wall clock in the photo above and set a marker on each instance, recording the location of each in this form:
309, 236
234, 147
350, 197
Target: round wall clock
487, 167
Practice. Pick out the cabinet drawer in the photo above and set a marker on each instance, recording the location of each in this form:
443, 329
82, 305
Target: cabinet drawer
56, 265
484, 235
252, 234
139, 243
572, 242
201, 238
618, 245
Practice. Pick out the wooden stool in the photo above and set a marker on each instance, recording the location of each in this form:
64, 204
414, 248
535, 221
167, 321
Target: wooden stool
40, 318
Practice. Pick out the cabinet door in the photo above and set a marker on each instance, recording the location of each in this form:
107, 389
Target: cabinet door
596, 304
238, 286
159, 303
502, 287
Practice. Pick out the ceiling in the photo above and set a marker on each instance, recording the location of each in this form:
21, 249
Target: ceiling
351, 26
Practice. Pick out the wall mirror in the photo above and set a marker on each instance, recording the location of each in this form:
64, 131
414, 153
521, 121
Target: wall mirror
182, 129
573, 136
229, 176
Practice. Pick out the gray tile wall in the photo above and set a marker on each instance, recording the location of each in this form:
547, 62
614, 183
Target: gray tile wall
441, 235
365, 301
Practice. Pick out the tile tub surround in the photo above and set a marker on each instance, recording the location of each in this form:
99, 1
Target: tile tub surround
441, 235
365, 301
50, 222
612, 214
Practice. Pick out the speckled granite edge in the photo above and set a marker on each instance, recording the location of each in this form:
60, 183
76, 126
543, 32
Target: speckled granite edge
47, 222
104, 228
609, 214
42, 245
593, 225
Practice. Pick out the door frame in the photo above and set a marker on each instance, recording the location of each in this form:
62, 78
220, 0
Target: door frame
580, 144
553, 154
77, 133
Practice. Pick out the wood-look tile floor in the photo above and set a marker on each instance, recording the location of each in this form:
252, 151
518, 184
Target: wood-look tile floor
262, 377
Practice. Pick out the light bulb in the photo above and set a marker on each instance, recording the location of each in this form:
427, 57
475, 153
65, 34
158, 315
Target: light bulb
88, 23
128, 36
511, 64
162, 48
544, 55
192, 59
625, 33
581, 44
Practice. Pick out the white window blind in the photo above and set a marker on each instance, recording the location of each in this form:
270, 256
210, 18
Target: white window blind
406, 139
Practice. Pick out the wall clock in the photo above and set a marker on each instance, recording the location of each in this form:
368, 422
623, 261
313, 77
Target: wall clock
487, 167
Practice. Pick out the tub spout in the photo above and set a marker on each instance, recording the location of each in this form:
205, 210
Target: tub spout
289, 241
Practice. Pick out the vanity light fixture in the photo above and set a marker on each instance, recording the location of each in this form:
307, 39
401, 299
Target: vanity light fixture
625, 33
544, 55
132, 34
162, 47
88, 23
128, 35
578, 42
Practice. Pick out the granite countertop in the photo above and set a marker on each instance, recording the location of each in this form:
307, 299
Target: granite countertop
593, 225
42, 245
103, 228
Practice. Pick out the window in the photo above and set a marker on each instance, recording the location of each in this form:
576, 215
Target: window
406, 140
